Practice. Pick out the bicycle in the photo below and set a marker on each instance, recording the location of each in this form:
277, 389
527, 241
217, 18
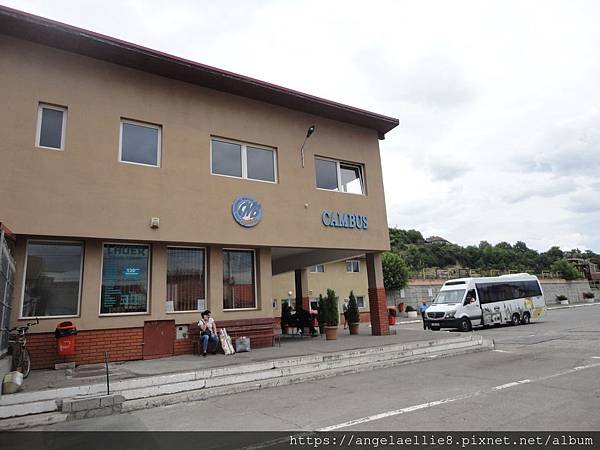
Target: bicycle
17, 339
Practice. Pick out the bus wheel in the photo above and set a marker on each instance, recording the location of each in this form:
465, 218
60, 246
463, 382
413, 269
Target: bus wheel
526, 318
464, 324
515, 319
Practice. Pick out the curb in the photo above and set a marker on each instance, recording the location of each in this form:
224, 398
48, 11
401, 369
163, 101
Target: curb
42, 407
577, 305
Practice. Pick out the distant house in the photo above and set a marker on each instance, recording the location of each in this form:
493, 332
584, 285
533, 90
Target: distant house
436, 240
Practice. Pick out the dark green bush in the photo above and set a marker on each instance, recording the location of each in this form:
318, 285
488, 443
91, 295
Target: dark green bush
352, 314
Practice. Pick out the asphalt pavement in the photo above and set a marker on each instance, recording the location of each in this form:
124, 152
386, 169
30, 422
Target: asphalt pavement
542, 376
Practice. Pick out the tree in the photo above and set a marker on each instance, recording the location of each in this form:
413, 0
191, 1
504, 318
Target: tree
395, 271
565, 269
352, 313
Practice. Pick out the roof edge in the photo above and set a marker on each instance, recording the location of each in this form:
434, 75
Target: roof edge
70, 38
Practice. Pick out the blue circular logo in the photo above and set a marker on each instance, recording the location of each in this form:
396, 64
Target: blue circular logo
247, 211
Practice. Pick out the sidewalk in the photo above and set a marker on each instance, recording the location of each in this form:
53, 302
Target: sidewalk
291, 346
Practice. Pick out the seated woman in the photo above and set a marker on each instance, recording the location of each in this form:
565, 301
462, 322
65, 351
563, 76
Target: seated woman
208, 332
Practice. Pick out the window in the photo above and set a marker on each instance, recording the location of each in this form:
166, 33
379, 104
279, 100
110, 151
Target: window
124, 279
51, 127
52, 279
240, 160
352, 266
139, 143
339, 176
185, 279
238, 279
360, 301
319, 268
498, 292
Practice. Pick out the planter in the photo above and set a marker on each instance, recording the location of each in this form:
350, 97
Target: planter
412, 314
590, 300
564, 302
331, 333
353, 327
392, 320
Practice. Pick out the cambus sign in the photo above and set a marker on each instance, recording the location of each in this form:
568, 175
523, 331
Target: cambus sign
344, 220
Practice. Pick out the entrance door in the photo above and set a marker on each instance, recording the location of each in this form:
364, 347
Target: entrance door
159, 338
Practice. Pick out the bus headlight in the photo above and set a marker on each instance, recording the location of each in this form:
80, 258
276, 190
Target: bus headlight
450, 314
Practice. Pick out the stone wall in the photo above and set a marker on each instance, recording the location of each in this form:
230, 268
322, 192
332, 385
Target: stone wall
419, 290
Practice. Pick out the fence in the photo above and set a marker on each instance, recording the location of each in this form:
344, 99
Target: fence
459, 272
7, 275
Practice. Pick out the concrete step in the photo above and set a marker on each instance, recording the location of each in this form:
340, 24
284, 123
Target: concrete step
229, 379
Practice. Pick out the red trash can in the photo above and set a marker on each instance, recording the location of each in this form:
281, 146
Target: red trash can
65, 338
392, 313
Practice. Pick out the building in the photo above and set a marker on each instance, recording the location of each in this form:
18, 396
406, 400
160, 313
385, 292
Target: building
142, 188
341, 276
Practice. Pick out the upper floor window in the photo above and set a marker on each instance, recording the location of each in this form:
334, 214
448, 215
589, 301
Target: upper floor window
352, 266
52, 121
241, 160
319, 268
339, 176
139, 143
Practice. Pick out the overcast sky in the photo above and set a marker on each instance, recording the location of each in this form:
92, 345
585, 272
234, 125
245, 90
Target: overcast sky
498, 101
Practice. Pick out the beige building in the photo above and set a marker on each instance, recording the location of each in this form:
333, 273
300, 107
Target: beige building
341, 276
143, 188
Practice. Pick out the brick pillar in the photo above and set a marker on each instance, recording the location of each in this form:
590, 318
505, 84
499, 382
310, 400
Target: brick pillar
377, 300
301, 282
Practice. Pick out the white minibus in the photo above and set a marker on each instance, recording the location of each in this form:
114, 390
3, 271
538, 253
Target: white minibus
467, 302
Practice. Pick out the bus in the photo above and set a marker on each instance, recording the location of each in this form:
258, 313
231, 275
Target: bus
467, 302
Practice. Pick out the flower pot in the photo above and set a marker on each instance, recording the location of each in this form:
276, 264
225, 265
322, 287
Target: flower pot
331, 333
564, 302
391, 320
590, 300
353, 327
412, 314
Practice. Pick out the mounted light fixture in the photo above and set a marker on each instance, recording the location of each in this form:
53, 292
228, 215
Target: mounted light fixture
310, 131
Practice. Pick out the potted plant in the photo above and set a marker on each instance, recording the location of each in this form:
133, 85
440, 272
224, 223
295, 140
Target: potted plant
353, 314
411, 312
589, 297
321, 314
562, 299
392, 313
331, 315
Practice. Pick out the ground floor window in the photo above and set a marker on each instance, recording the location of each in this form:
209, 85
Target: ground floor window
238, 279
360, 301
52, 279
185, 279
124, 279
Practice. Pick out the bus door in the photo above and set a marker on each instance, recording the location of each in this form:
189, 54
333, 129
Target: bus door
472, 307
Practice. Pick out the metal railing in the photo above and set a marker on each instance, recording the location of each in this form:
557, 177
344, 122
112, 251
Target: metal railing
7, 275
435, 273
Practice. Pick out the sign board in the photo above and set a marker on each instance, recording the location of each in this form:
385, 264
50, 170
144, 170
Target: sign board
247, 211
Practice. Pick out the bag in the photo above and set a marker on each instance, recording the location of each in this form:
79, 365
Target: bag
242, 344
226, 342
205, 333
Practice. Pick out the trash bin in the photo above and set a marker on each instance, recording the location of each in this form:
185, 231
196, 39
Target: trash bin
392, 313
65, 338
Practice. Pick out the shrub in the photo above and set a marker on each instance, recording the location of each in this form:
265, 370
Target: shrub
565, 269
395, 271
331, 315
409, 308
352, 314
321, 311
588, 295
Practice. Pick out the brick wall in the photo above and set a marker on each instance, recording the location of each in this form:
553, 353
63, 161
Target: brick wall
123, 344
378, 309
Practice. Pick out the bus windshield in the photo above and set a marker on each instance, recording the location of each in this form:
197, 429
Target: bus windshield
454, 296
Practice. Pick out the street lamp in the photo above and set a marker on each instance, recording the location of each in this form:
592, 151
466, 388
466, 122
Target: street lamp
310, 131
